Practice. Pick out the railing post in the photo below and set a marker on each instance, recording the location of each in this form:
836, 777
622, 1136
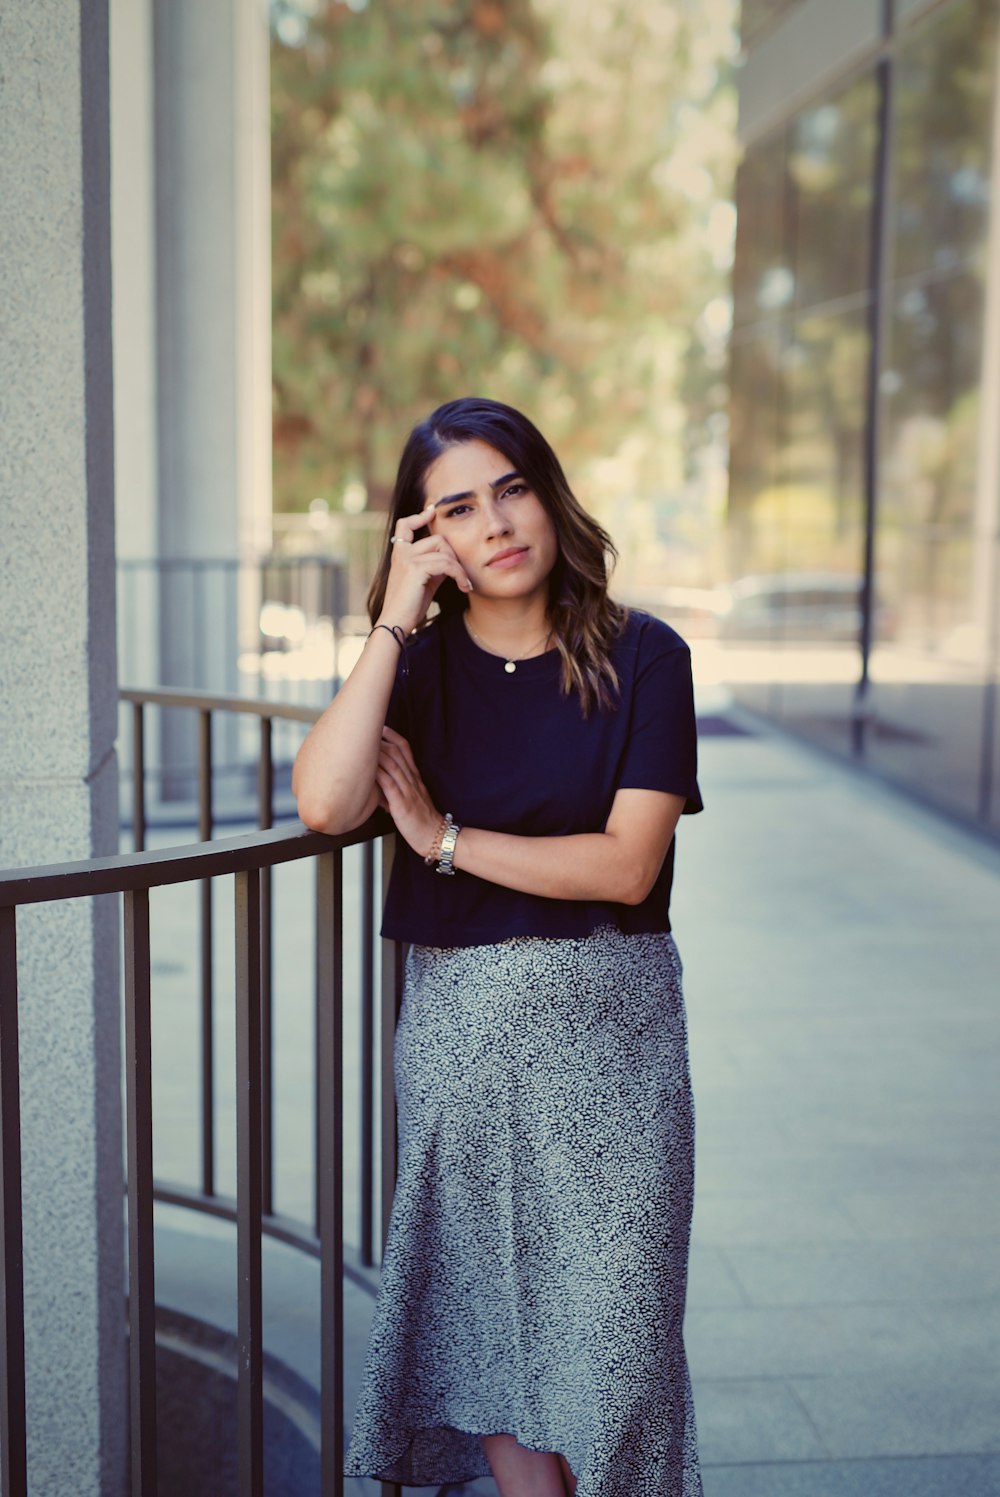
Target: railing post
250, 1386
205, 829
141, 1269
265, 799
13, 1440
392, 985
367, 1054
392, 978
330, 1162
138, 779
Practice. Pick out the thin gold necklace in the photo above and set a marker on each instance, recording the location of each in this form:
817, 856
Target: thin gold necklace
510, 662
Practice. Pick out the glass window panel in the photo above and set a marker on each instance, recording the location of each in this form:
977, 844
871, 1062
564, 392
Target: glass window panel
927, 726
936, 514
945, 83
831, 164
822, 478
758, 16
762, 284
755, 533
936, 509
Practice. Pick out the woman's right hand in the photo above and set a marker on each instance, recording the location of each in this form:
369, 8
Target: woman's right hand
416, 572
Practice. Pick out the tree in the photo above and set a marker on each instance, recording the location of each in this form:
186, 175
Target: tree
492, 196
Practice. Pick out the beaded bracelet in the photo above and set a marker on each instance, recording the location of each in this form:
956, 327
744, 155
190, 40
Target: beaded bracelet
399, 635
432, 857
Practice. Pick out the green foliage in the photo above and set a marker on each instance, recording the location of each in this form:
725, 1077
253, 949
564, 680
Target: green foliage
496, 197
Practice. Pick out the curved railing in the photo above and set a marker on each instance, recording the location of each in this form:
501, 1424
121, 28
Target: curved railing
249, 859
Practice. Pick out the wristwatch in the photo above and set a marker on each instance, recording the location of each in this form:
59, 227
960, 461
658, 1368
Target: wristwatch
448, 840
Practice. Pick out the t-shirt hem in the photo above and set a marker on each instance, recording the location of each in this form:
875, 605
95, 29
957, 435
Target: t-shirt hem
566, 931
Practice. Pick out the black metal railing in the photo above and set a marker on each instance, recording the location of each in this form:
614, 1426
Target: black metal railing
249, 859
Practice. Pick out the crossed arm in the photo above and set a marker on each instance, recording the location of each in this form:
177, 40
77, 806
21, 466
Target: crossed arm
350, 763
619, 864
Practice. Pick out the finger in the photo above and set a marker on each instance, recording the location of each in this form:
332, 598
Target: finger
436, 559
392, 763
406, 525
388, 787
436, 565
402, 772
399, 743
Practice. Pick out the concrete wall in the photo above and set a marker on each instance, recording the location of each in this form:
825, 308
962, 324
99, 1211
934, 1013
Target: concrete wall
58, 785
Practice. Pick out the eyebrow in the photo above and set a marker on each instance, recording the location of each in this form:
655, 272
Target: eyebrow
495, 483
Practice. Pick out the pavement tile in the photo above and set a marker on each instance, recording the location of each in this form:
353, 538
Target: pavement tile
967, 1330
724, 1218
969, 1211
867, 1272
791, 1479
927, 1476
921, 1414
744, 1419
711, 1281
807, 1341
945, 1476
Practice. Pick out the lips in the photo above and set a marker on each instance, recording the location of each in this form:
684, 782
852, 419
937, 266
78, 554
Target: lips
508, 557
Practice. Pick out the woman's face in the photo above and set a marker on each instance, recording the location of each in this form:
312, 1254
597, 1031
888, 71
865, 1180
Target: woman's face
496, 525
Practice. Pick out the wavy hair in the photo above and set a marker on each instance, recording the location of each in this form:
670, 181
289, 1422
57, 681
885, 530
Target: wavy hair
585, 620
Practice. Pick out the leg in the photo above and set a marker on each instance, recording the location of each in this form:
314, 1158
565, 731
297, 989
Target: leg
568, 1476
523, 1473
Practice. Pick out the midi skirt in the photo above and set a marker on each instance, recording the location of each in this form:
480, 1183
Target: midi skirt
534, 1275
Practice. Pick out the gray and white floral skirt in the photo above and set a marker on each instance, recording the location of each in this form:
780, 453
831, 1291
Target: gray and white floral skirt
535, 1270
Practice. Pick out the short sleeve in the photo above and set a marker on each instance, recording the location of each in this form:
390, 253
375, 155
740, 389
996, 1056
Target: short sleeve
662, 748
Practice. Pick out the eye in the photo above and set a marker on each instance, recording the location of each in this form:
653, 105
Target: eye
514, 489
458, 509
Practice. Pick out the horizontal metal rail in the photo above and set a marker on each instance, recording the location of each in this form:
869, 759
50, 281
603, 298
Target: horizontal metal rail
177, 865
207, 701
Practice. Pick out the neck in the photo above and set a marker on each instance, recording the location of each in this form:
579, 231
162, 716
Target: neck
511, 627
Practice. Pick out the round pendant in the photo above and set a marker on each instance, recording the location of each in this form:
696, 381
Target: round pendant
510, 667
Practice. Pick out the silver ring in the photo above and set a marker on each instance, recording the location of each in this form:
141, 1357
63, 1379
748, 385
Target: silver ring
394, 538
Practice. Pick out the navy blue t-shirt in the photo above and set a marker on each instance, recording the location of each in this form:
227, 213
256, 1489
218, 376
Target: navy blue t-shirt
510, 752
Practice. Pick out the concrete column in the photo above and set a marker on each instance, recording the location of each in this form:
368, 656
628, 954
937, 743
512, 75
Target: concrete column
213, 330
133, 261
58, 792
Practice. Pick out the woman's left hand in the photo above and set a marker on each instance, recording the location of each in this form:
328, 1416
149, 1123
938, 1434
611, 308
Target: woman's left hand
404, 793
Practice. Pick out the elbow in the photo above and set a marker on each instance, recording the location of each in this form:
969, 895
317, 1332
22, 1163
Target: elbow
325, 813
639, 886
316, 815
317, 807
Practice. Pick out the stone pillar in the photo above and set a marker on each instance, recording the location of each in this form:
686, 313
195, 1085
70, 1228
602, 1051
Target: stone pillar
133, 261
213, 334
58, 792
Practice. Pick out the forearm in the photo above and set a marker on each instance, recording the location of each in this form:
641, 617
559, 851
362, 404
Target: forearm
588, 865
333, 779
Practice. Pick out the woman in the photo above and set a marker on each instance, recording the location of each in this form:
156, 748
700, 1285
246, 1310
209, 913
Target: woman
535, 743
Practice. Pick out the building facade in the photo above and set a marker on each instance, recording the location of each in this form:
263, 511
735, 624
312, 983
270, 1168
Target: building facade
864, 509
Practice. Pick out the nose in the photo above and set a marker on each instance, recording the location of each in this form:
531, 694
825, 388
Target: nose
497, 521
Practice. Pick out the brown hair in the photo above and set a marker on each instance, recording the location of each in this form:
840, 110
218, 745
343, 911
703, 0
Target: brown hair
585, 621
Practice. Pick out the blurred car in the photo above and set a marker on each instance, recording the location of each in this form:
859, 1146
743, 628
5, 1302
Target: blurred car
693, 611
821, 606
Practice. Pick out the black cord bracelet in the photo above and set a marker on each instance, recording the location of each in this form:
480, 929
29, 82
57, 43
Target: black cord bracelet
399, 635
